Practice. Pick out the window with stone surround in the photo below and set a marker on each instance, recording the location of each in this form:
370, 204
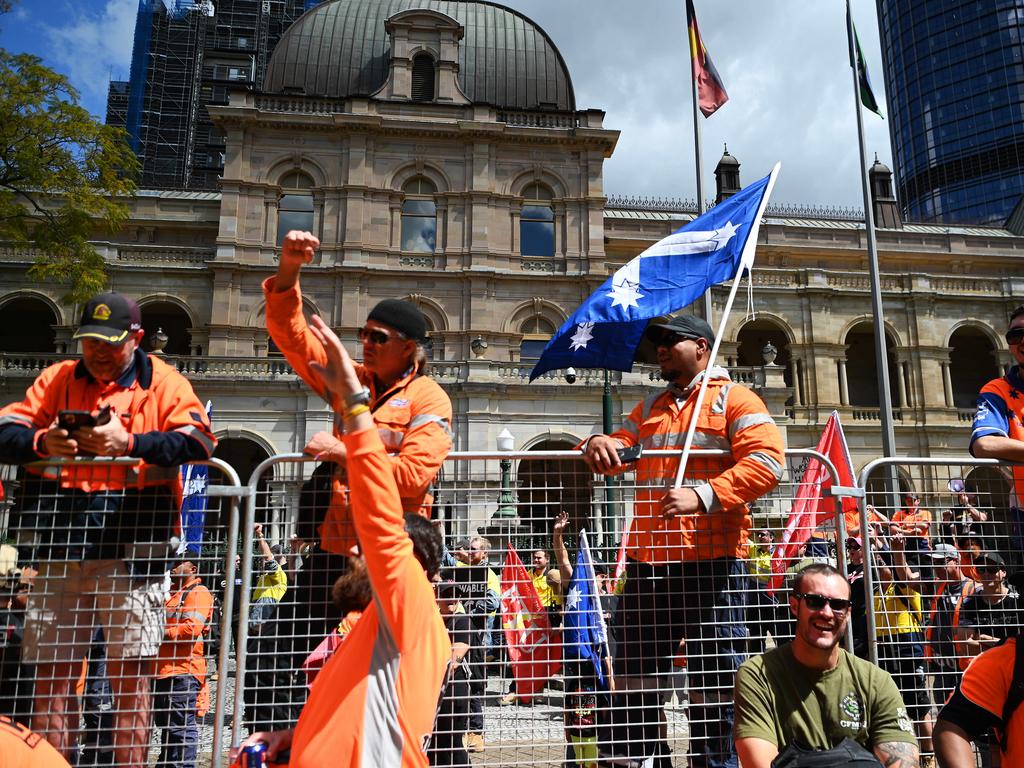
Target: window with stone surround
419, 216
422, 77
537, 222
295, 207
537, 332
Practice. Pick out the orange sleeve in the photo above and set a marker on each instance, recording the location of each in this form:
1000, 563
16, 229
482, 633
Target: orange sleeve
181, 410
986, 681
427, 441
40, 407
194, 615
287, 327
401, 590
756, 449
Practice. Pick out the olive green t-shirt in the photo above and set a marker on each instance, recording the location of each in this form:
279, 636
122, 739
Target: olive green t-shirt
781, 701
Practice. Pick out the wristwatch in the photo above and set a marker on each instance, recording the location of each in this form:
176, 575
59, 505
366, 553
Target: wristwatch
362, 397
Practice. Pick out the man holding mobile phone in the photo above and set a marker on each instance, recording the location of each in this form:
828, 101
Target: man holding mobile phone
101, 532
685, 577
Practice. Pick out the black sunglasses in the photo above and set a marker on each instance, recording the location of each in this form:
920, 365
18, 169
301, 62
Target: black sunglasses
670, 339
1015, 336
377, 337
817, 602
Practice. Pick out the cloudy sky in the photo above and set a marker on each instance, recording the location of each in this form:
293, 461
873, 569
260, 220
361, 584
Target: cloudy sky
784, 64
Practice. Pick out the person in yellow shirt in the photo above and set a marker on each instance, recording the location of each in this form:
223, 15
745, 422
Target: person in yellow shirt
900, 635
270, 587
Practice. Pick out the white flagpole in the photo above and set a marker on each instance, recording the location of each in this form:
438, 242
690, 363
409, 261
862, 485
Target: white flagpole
746, 261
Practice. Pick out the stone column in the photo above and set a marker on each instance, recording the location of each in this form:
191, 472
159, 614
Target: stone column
844, 391
947, 385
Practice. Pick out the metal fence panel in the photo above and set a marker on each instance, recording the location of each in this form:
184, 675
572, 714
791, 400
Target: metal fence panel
84, 657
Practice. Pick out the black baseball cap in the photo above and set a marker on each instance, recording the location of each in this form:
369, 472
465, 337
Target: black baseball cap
403, 316
688, 326
109, 317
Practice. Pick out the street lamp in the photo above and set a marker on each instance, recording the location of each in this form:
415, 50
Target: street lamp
506, 498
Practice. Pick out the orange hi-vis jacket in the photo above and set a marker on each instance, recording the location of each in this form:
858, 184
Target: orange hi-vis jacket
732, 418
413, 418
1001, 412
188, 611
987, 683
373, 703
154, 398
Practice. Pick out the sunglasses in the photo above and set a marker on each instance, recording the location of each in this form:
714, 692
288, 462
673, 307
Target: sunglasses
1015, 336
380, 338
670, 339
817, 602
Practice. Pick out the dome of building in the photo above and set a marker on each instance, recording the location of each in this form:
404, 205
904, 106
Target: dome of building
341, 48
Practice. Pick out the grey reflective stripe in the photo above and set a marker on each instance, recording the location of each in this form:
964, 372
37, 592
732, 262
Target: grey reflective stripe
22, 421
200, 436
197, 615
768, 461
391, 438
703, 440
723, 395
750, 420
631, 426
649, 404
427, 418
382, 735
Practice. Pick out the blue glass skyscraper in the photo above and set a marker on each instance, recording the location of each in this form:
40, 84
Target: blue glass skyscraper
954, 76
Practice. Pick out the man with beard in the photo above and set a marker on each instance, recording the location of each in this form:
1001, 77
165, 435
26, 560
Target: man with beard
685, 573
812, 692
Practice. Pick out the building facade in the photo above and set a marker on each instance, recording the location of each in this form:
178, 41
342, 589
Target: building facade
954, 80
468, 181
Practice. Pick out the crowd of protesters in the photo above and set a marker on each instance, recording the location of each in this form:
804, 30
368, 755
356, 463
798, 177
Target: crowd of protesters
371, 639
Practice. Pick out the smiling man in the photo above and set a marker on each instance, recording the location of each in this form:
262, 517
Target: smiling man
812, 692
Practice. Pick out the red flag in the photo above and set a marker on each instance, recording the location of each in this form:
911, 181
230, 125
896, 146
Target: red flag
710, 91
620, 562
533, 646
813, 504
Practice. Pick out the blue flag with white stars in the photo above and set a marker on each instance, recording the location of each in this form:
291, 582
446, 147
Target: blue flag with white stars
584, 635
606, 329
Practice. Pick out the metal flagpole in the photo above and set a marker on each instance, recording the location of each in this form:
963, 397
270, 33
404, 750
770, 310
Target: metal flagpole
698, 161
746, 262
877, 311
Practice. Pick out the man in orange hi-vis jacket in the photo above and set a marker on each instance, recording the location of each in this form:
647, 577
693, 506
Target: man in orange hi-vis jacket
102, 532
180, 693
373, 703
684, 575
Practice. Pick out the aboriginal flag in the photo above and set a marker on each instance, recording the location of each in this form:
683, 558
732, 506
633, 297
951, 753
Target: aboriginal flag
710, 91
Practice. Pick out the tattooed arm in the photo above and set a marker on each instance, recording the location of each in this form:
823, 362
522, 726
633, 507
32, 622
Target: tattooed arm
898, 754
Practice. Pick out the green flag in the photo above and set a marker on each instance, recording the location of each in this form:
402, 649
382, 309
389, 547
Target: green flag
867, 95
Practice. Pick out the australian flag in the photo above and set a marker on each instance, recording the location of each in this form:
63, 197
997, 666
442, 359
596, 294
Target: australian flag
606, 329
584, 635
194, 480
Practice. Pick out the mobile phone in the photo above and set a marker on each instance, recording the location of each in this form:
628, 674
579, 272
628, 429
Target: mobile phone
72, 420
629, 455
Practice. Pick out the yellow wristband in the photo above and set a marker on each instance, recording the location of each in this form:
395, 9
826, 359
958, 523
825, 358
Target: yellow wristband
355, 410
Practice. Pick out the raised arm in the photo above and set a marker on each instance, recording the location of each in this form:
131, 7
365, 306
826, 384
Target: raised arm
561, 553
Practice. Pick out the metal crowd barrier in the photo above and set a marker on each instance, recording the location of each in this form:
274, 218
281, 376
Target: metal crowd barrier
263, 667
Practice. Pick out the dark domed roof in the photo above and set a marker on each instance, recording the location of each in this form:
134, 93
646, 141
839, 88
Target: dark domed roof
340, 48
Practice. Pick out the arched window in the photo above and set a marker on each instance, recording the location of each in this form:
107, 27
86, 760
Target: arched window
27, 325
419, 216
422, 77
537, 332
537, 222
861, 371
295, 208
972, 363
173, 321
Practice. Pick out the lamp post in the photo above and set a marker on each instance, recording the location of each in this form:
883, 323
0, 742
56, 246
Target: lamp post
506, 497
606, 428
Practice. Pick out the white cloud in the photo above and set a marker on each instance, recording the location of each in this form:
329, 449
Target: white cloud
93, 47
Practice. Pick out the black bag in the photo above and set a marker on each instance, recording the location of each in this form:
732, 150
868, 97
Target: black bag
847, 754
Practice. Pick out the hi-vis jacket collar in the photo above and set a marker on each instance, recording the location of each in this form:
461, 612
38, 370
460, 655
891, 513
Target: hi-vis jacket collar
140, 370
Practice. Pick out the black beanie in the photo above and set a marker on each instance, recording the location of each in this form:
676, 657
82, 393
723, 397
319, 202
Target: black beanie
402, 316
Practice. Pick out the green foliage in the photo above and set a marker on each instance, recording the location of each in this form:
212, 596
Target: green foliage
63, 175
